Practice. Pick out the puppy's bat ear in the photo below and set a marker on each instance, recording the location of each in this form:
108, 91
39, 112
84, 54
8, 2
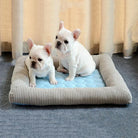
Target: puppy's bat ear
76, 34
47, 47
30, 43
61, 25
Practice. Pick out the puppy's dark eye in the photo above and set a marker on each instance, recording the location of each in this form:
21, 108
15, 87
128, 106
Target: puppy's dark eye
66, 41
30, 57
39, 59
56, 37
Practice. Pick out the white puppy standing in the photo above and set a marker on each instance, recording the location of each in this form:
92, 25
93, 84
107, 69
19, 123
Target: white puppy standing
74, 57
40, 63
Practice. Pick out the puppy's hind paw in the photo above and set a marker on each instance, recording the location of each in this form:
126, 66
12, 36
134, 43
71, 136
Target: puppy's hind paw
32, 85
54, 82
62, 70
59, 69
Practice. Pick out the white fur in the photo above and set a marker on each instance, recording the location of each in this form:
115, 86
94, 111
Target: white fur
43, 68
73, 56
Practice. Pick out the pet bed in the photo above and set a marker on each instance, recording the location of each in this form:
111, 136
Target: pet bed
112, 88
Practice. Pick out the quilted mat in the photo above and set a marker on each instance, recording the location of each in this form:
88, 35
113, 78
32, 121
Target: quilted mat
92, 81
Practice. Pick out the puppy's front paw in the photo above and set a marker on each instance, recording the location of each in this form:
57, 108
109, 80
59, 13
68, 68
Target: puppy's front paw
54, 82
32, 85
69, 78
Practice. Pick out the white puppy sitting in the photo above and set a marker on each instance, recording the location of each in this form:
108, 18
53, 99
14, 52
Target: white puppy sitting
74, 57
40, 63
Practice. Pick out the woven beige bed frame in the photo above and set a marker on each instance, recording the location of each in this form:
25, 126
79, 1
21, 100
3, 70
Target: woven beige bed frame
115, 92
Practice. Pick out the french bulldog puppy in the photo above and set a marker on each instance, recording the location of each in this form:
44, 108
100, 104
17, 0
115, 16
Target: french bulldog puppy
40, 63
73, 55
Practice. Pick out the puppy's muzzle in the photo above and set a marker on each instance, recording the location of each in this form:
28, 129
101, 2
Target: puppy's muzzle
33, 64
58, 45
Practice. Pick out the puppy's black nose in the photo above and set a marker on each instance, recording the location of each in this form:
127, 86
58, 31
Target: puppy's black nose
33, 64
58, 44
